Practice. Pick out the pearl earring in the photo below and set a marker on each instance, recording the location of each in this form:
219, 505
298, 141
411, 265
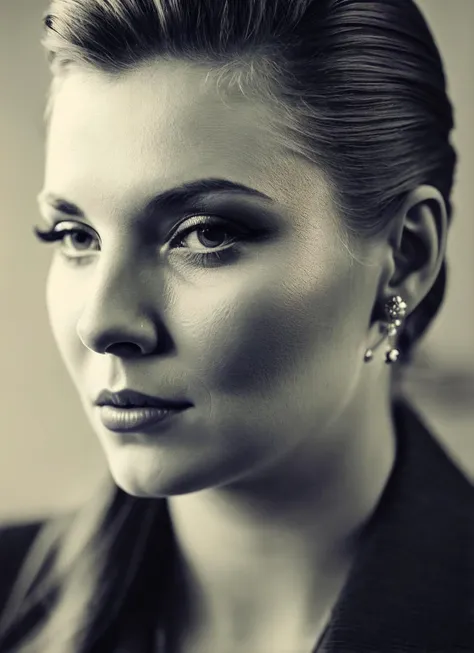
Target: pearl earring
395, 310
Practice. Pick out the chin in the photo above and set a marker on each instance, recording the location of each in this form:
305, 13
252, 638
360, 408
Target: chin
153, 482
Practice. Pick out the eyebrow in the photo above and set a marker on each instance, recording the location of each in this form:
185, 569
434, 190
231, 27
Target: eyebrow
167, 199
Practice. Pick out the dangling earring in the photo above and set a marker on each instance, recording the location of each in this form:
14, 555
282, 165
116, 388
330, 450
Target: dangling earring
395, 310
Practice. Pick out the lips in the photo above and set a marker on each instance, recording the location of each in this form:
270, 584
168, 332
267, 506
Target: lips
129, 410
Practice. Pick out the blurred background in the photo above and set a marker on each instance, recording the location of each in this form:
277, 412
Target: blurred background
50, 459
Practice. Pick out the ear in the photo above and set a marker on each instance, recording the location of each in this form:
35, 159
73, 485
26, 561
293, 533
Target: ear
417, 246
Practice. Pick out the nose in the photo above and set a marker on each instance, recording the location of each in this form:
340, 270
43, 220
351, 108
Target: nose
115, 318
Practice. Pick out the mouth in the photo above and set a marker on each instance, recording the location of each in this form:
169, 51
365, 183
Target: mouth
129, 410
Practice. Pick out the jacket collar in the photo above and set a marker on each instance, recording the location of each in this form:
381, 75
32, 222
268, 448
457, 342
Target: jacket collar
411, 585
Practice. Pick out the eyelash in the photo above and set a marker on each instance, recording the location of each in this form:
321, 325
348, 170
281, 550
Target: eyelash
205, 259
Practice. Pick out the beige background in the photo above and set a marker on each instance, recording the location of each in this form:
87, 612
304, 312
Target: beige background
49, 457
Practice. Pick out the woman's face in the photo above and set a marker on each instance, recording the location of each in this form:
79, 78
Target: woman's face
260, 323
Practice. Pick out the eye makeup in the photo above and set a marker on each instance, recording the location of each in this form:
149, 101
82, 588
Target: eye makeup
178, 240
246, 220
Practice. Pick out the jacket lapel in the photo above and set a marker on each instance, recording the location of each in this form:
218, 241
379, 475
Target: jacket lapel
411, 587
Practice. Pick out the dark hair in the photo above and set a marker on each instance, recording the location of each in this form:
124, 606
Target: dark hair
357, 87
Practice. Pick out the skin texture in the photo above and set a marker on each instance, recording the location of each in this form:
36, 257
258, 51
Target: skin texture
289, 442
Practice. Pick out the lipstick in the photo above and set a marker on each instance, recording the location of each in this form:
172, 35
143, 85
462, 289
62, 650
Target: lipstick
129, 410
123, 420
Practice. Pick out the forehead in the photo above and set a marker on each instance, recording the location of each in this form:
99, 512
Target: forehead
124, 138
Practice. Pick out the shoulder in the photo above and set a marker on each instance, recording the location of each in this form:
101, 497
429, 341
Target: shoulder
15, 542
425, 456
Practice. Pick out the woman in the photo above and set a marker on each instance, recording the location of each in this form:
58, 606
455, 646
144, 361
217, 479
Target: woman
251, 203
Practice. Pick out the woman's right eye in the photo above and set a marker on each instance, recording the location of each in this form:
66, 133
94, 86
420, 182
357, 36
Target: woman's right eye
77, 238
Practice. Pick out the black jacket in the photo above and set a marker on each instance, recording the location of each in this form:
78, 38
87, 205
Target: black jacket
411, 588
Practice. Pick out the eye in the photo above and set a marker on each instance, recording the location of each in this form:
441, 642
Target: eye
206, 233
209, 237
75, 240
79, 239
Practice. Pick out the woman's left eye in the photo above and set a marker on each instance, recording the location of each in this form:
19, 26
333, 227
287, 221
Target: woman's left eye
202, 237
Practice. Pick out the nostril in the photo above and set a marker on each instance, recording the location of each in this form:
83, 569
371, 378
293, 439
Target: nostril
124, 349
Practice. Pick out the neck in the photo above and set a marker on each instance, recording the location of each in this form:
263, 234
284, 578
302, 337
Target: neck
278, 549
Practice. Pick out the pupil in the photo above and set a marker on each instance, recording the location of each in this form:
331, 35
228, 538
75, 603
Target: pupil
203, 236
80, 238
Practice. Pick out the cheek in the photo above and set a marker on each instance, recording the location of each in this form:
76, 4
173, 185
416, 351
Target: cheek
63, 306
245, 336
